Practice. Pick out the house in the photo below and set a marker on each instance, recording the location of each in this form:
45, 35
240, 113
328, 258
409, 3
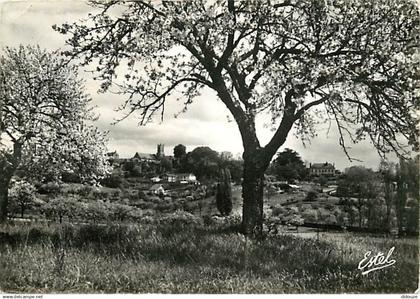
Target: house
180, 177
156, 179
170, 177
142, 157
150, 158
186, 178
157, 189
324, 169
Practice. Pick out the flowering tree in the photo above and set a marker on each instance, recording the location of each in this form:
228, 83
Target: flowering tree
22, 194
350, 63
44, 115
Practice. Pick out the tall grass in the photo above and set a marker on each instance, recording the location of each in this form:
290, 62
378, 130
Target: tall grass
192, 258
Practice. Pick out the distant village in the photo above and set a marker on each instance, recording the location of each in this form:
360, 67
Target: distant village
151, 164
150, 167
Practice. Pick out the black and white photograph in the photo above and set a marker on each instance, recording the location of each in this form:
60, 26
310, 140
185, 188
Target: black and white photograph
209, 147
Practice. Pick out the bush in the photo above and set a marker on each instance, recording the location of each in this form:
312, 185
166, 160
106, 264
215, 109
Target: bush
278, 210
329, 207
94, 211
145, 205
62, 206
112, 181
84, 191
165, 207
49, 188
119, 212
296, 220
99, 194
310, 216
180, 218
311, 196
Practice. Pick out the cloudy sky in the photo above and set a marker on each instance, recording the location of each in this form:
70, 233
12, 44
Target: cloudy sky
206, 123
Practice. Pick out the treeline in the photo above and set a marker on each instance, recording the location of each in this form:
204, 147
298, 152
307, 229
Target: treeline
206, 163
387, 198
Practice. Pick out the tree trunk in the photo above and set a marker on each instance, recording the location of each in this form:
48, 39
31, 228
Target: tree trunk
400, 211
8, 166
388, 205
4, 190
252, 193
359, 209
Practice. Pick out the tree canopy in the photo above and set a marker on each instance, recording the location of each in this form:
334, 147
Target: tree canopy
46, 117
203, 162
288, 165
180, 151
355, 59
353, 64
45, 120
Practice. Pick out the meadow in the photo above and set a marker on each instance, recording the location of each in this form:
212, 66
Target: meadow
183, 253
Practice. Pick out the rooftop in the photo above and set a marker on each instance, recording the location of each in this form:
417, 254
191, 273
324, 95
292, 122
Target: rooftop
325, 165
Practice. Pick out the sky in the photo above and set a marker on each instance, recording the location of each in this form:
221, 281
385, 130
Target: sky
206, 123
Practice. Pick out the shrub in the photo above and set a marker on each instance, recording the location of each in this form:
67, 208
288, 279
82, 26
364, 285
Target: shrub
119, 212
234, 220
99, 194
94, 211
296, 220
278, 210
224, 193
164, 207
310, 216
84, 191
180, 218
61, 206
49, 188
329, 206
145, 205
311, 196
112, 181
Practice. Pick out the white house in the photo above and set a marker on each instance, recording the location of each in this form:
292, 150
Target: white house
157, 189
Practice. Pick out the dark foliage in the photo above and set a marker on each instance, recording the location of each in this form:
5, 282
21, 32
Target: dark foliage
224, 193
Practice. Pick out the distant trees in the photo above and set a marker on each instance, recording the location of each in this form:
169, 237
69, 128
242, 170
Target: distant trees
401, 194
388, 173
44, 119
203, 162
206, 163
165, 164
407, 192
288, 166
180, 154
236, 168
321, 180
387, 199
359, 186
180, 151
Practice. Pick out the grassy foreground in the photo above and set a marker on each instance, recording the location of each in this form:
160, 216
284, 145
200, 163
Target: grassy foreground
193, 258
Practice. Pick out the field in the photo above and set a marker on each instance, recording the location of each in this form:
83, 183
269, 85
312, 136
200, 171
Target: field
127, 241
183, 254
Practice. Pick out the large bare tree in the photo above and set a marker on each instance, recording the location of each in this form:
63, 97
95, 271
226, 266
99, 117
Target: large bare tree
352, 63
